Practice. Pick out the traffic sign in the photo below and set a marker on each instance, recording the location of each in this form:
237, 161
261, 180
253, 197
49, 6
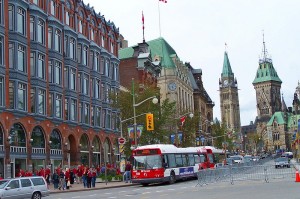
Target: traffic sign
121, 140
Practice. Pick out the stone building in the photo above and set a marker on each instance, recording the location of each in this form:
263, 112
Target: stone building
58, 63
229, 98
267, 85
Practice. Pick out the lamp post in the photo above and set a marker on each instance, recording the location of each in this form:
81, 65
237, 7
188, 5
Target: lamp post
154, 100
191, 115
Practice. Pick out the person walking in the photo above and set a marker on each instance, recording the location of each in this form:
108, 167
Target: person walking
61, 180
128, 172
94, 176
55, 179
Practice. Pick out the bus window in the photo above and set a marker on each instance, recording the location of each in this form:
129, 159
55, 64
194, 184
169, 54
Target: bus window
210, 157
178, 160
165, 161
191, 160
185, 160
171, 160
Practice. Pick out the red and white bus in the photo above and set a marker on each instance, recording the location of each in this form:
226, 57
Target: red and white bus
167, 163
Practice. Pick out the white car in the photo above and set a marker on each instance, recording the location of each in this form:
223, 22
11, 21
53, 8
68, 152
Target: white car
237, 159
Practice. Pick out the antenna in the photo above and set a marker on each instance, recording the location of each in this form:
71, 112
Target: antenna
225, 47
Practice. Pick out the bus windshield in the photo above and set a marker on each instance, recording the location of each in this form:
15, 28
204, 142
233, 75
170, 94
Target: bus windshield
147, 162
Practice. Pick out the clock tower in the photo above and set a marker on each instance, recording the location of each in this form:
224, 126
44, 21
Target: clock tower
267, 85
229, 98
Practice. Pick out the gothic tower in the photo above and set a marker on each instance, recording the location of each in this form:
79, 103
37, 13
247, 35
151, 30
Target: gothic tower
229, 98
267, 85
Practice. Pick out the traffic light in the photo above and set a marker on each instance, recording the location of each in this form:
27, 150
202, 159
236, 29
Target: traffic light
149, 122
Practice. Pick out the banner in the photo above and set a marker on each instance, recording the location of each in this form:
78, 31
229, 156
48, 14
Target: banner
139, 130
179, 137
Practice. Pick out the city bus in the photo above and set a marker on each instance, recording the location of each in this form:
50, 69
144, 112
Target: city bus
166, 163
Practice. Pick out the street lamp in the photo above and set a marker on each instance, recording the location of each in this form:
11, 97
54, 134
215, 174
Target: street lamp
154, 101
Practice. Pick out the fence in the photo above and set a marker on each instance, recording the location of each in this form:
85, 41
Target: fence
241, 172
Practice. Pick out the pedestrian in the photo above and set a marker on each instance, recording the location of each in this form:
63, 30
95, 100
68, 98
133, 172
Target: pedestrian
128, 172
79, 174
47, 175
55, 179
89, 178
94, 176
61, 180
84, 176
67, 178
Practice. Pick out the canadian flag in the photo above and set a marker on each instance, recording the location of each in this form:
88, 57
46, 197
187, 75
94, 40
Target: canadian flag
164, 1
182, 120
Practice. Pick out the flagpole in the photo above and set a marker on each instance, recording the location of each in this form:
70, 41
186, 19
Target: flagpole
143, 20
159, 19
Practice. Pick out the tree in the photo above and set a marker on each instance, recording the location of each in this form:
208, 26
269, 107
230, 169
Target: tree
220, 136
162, 114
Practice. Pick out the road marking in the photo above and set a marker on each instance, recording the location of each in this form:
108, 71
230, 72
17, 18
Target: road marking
112, 197
76, 197
92, 195
171, 189
160, 191
146, 192
123, 191
107, 193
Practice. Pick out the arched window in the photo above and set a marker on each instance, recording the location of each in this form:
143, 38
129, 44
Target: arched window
17, 136
38, 138
55, 139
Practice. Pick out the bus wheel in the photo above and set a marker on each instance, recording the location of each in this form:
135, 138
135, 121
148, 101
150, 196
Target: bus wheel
172, 178
145, 184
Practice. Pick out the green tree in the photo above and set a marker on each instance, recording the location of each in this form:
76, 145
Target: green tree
162, 113
220, 136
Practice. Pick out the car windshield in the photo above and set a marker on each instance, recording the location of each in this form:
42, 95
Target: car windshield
147, 162
3, 183
281, 159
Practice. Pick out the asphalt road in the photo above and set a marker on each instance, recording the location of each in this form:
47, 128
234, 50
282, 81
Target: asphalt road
280, 188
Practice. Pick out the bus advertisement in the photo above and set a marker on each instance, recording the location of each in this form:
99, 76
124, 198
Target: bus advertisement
166, 163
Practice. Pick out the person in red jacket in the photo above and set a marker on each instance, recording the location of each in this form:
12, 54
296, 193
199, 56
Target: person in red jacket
47, 175
67, 178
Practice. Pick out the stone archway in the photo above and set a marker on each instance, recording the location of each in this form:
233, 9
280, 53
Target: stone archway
97, 148
84, 146
71, 151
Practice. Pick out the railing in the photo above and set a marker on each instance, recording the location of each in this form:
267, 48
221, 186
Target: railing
38, 150
1, 147
18, 149
55, 152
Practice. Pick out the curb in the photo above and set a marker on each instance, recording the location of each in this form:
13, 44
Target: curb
89, 189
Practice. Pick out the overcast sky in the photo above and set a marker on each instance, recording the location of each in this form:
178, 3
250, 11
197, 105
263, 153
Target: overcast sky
199, 29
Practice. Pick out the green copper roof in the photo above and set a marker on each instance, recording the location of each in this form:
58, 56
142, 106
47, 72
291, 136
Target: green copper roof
278, 117
266, 72
226, 72
157, 47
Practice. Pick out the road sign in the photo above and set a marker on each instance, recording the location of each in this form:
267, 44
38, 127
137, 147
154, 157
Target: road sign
121, 140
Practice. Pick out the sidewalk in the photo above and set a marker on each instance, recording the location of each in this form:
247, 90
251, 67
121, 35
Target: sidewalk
99, 185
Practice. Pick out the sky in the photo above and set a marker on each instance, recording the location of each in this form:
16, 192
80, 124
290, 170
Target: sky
198, 30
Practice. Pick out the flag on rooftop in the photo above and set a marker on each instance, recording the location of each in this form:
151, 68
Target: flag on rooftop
164, 1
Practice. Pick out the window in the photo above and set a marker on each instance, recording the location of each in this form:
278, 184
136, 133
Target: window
72, 48
73, 110
11, 54
79, 51
67, 18
85, 84
1, 12
106, 69
31, 28
85, 55
50, 31
57, 72
21, 21
73, 79
57, 40
102, 41
58, 104
41, 66
66, 109
92, 116
11, 17
50, 71
11, 93
1, 50
92, 34
21, 58
38, 181
41, 31
98, 116
97, 89
42, 102
25, 183
112, 47
80, 26
86, 113
80, 82
96, 62
50, 101
22, 96
1, 91
66, 77
108, 120
52, 7
80, 112
32, 100
14, 184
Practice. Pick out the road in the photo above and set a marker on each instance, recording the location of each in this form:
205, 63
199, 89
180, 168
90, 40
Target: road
279, 188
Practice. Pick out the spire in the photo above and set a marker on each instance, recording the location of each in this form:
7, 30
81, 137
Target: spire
283, 105
266, 71
227, 71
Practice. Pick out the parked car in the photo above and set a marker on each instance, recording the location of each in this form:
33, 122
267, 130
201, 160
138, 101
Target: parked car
24, 187
282, 162
288, 155
256, 158
237, 158
248, 158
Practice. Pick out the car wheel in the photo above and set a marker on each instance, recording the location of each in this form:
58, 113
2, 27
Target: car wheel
36, 195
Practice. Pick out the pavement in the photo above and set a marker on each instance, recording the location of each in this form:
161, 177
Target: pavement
99, 185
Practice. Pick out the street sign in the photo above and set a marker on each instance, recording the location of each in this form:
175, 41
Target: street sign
121, 140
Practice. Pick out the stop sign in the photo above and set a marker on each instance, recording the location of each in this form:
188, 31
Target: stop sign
122, 140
